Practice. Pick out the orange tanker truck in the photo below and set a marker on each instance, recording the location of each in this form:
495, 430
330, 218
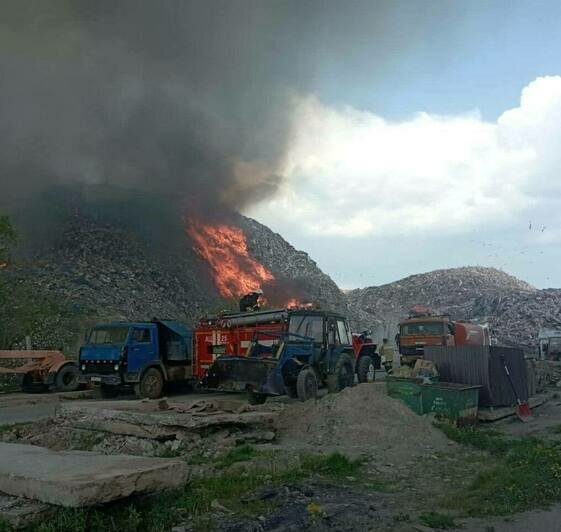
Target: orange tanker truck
422, 329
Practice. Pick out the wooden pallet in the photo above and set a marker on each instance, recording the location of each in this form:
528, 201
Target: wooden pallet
494, 414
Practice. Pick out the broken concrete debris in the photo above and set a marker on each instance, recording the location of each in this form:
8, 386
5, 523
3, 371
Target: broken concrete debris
20, 512
80, 478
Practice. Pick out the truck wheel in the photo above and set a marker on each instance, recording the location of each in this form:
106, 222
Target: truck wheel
29, 385
307, 384
108, 392
151, 384
343, 374
66, 379
256, 398
365, 370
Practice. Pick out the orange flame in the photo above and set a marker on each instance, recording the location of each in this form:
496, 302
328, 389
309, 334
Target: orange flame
224, 248
293, 303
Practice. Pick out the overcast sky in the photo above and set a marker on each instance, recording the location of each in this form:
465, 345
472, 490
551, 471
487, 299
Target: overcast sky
432, 141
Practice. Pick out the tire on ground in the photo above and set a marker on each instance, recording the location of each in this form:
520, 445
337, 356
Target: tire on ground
256, 398
66, 379
343, 374
151, 384
365, 369
291, 391
29, 385
307, 384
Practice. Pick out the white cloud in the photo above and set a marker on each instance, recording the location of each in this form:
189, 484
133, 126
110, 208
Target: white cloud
353, 173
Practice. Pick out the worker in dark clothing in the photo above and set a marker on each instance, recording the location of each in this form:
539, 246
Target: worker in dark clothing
251, 301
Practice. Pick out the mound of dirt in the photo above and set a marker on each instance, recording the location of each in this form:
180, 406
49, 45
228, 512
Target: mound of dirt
362, 419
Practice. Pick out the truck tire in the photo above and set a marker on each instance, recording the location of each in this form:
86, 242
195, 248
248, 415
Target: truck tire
307, 384
343, 374
108, 392
256, 398
66, 379
151, 384
291, 391
365, 370
29, 385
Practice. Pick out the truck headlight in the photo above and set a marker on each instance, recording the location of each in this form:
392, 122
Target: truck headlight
116, 367
83, 367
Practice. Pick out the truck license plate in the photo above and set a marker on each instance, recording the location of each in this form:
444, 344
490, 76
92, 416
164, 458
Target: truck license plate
95, 379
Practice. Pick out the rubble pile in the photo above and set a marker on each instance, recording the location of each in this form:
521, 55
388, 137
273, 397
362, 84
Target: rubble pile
361, 419
287, 263
99, 271
203, 428
111, 273
515, 310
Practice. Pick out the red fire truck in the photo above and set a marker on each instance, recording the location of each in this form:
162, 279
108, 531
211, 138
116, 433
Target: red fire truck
234, 333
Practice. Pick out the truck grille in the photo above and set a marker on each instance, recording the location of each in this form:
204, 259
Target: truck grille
100, 367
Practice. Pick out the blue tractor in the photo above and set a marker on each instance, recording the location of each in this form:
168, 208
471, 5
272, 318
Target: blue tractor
296, 365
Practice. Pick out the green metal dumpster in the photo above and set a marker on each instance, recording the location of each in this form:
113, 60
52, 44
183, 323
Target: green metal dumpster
408, 389
456, 402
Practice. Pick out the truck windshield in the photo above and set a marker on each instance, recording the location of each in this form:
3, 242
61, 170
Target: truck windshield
431, 328
311, 326
109, 335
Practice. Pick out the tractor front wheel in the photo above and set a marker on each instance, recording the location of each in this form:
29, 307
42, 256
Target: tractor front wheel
151, 385
307, 385
343, 374
365, 370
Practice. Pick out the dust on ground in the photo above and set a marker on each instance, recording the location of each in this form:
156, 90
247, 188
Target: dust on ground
362, 419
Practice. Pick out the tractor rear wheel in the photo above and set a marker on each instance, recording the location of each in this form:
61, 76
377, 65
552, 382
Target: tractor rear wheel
365, 370
255, 398
66, 379
307, 385
151, 384
343, 374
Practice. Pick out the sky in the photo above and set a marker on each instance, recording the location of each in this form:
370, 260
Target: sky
430, 140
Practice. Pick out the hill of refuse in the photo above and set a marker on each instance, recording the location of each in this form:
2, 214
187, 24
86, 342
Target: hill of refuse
98, 269
514, 309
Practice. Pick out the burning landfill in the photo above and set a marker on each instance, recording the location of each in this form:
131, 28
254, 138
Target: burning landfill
183, 366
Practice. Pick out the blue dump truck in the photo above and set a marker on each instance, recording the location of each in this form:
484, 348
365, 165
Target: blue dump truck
143, 355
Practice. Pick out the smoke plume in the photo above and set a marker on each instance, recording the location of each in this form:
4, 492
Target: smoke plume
185, 99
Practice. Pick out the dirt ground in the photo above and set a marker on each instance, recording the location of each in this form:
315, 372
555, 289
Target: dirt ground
407, 465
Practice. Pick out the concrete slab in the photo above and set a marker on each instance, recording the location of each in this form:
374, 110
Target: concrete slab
78, 478
20, 512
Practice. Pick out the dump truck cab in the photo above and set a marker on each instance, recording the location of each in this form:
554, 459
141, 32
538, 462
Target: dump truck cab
419, 331
144, 355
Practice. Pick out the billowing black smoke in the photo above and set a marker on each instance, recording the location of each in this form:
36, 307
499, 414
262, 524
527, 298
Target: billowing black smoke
182, 99
186, 100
